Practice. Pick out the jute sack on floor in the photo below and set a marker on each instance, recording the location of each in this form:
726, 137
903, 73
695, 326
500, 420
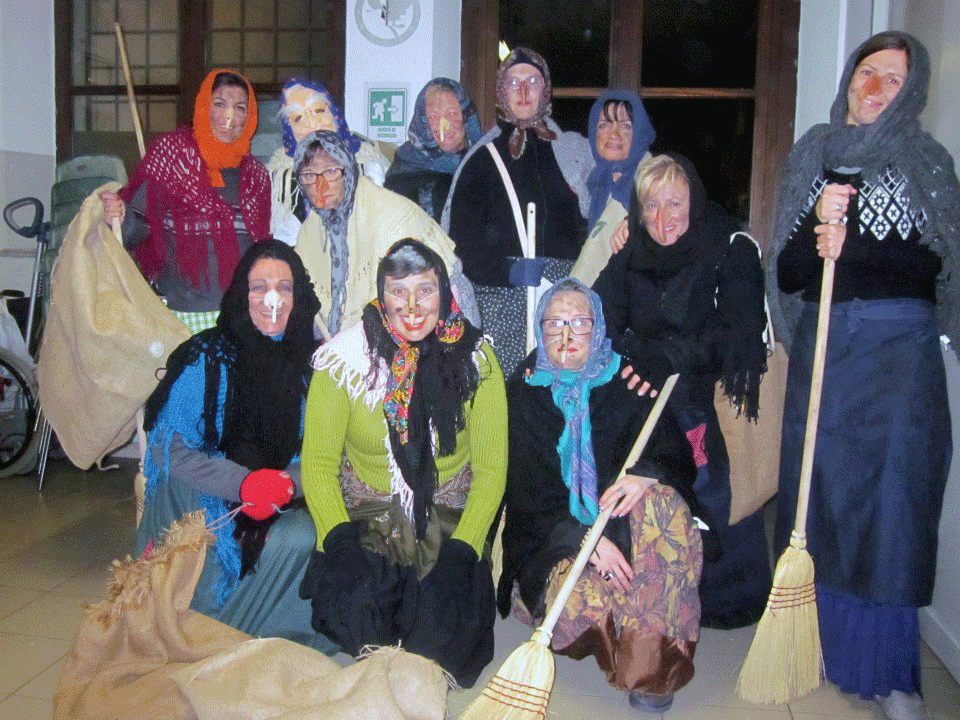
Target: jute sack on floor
276, 678
128, 643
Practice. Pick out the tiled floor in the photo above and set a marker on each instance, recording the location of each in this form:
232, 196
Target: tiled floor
56, 546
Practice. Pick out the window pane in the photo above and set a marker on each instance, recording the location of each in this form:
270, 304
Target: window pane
293, 14
164, 15
257, 48
258, 13
690, 43
225, 49
132, 15
293, 47
573, 37
225, 14
161, 115
720, 149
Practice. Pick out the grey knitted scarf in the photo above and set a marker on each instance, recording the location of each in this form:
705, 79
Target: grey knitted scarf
893, 139
336, 220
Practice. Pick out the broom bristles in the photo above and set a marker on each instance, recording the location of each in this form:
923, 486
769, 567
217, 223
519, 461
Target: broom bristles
784, 662
521, 688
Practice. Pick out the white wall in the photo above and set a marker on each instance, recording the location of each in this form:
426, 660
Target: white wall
829, 32
432, 51
937, 24
27, 126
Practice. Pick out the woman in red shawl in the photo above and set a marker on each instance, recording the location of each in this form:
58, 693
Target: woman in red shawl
199, 200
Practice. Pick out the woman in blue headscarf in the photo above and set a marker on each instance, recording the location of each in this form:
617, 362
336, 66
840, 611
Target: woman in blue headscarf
620, 137
572, 421
444, 126
305, 107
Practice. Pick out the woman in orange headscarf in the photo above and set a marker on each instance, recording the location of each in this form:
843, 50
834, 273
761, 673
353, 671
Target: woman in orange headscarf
199, 200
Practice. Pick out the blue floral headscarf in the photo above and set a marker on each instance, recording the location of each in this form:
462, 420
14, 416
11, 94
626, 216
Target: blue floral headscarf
421, 149
570, 390
600, 183
289, 141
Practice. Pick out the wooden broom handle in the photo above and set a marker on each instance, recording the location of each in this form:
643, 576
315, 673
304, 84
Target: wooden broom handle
593, 537
816, 390
131, 98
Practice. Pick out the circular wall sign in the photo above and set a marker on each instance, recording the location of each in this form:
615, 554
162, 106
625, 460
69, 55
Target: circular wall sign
387, 22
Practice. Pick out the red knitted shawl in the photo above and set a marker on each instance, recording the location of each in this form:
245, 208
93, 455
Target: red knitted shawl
179, 187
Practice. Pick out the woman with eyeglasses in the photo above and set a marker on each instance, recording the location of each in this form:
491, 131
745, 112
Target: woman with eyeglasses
685, 296
572, 421
353, 225
543, 166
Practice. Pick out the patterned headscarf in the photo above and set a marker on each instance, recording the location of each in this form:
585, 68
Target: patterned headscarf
571, 394
429, 383
601, 184
537, 123
335, 220
289, 141
216, 154
421, 149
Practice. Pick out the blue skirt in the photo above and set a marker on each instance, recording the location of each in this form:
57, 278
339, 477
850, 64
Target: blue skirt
868, 648
882, 454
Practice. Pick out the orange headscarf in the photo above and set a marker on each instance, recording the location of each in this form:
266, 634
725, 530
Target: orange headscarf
216, 154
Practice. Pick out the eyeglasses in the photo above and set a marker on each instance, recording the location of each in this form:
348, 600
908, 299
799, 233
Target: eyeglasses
330, 174
578, 326
533, 82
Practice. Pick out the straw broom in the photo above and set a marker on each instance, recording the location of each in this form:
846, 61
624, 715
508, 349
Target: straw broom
784, 661
520, 690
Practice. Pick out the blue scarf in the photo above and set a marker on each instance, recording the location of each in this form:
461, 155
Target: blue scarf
570, 390
421, 151
600, 183
183, 414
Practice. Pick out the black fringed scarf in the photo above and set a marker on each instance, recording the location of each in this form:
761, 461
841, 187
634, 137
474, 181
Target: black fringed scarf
707, 240
444, 378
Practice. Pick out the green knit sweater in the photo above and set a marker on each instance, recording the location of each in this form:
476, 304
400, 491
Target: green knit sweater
336, 423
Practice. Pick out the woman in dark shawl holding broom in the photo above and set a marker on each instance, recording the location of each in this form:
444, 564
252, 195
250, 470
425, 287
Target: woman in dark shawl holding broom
225, 431
878, 195
685, 295
572, 424
404, 464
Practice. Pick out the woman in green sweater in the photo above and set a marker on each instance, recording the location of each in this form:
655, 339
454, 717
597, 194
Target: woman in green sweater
404, 466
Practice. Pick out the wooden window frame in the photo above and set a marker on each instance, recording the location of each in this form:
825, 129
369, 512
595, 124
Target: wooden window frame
774, 92
193, 18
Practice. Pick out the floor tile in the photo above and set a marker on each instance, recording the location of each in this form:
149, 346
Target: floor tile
928, 658
44, 685
941, 692
16, 707
51, 616
40, 572
13, 598
23, 658
90, 585
827, 700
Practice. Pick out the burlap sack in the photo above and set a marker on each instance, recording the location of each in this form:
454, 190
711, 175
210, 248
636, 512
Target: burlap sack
107, 333
275, 678
129, 643
754, 447
596, 251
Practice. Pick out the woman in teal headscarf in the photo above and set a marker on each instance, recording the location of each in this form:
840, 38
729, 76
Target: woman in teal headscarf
572, 421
